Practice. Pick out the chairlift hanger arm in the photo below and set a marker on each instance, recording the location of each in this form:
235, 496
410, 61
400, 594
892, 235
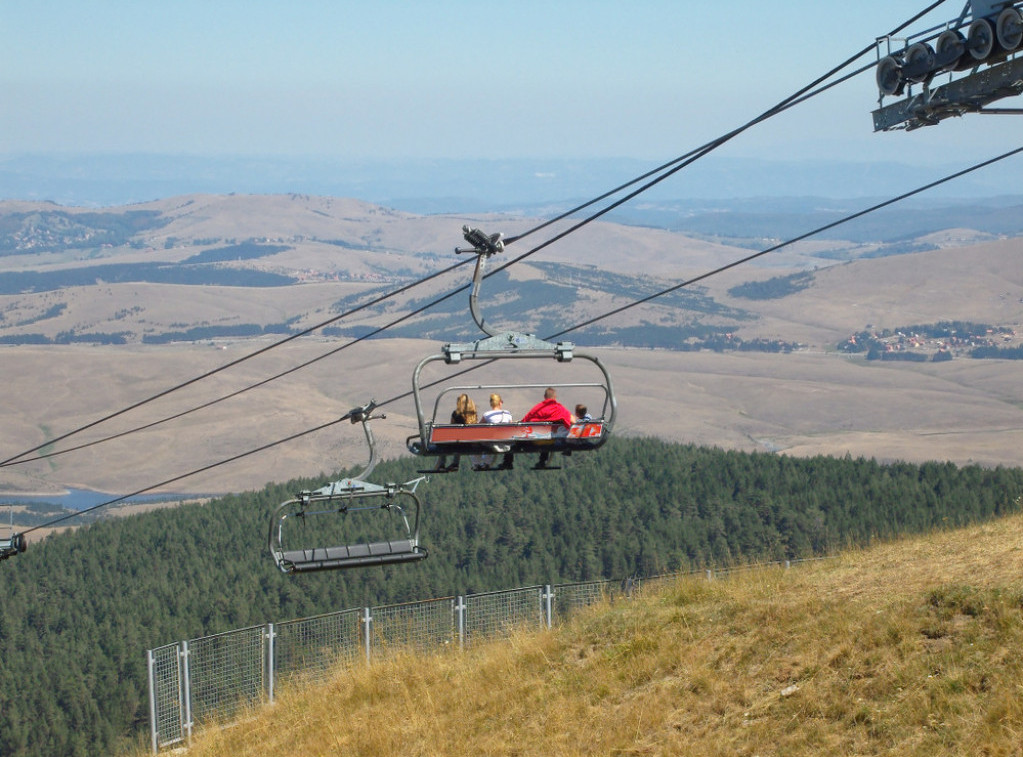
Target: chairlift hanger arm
483, 246
364, 415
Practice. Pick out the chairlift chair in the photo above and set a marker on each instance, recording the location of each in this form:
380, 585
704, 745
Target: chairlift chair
11, 546
437, 438
15, 543
340, 512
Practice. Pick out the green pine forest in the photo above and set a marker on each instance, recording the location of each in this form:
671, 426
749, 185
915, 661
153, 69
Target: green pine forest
80, 609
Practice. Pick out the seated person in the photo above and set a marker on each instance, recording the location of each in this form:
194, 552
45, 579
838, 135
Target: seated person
549, 410
463, 414
496, 414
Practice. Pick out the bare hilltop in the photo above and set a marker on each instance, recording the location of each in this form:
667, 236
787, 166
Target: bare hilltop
101, 309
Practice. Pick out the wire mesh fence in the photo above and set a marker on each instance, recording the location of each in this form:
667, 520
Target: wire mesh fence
499, 612
193, 681
312, 647
226, 671
416, 626
568, 599
165, 703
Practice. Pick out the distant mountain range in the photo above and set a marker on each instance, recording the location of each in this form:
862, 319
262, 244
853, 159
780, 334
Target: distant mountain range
528, 186
359, 251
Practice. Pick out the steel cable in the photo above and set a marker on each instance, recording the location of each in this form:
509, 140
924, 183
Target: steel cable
668, 170
588, 322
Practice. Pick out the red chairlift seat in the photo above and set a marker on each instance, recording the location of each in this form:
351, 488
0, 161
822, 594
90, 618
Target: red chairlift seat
437, 439
481, 438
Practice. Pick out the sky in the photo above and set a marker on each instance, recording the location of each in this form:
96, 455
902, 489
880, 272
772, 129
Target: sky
442, 78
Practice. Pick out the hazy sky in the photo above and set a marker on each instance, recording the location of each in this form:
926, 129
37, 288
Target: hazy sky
643, 79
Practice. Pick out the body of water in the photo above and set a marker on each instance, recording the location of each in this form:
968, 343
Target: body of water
83, 499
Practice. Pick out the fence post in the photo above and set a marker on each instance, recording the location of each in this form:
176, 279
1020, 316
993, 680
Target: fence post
710, 574
185, 689
151, 664
548, 597
367, 618
270, 661
460, 612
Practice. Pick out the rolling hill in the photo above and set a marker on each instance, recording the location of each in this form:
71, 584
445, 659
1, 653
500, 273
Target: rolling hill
104, 308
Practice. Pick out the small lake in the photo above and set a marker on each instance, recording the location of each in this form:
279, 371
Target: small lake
83, 499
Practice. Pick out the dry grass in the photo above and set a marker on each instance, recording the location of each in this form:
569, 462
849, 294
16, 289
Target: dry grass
904, 648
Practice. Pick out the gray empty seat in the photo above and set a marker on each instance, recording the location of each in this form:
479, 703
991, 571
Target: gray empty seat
352, 555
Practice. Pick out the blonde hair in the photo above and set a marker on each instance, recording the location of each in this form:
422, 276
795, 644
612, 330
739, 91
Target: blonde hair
495, 400
466, 408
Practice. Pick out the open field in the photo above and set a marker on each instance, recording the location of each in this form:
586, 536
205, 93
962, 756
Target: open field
804, 403
981, 283
813, 401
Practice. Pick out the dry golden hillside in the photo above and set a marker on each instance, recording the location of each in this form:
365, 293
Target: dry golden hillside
907, 648
812, 401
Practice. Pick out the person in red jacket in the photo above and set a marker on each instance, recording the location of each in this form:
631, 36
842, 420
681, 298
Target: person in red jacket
549, 410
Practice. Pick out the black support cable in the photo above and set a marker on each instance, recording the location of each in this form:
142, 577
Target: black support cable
775, 248
293, 369
205, 468
16, 458
576, 327
689, 157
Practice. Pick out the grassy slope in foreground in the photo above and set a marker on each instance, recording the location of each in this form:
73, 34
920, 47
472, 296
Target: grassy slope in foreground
905, 648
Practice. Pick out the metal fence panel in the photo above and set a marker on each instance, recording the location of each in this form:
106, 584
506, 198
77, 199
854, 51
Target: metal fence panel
498, 613
168, 706
654, 583
226, 671
314, 646
570, 598
417, 626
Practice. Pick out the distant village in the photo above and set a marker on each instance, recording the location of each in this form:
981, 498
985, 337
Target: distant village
936, 342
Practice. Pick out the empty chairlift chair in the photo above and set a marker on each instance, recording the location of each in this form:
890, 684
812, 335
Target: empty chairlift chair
348, 523
11, 546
